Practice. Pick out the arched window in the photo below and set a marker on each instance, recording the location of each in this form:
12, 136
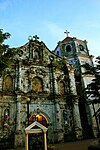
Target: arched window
37, 84
61, 87
8, 83
68, 48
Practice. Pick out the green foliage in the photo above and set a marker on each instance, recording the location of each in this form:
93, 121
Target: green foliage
93, 89
89, 69
61, 64
3, 36
6, 54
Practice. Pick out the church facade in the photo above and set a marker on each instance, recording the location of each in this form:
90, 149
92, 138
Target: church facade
48, 87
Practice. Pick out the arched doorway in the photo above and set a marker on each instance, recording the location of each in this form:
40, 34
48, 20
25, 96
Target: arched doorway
36, 140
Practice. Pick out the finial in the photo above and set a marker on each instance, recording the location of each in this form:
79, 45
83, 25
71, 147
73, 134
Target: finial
66, 32
36, 37
30, 38
59, 43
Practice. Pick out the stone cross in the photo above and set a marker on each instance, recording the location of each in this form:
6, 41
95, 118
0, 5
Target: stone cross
66, 32
36, 37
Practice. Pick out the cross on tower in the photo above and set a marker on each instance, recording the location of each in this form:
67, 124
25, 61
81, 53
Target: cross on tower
36, 37
66, 32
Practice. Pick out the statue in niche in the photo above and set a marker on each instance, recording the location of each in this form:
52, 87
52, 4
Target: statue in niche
37, 85
61, 88
8, 83
66, 116
6, 114
36, 55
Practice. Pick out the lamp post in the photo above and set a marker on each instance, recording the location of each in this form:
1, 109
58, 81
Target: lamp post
28, 101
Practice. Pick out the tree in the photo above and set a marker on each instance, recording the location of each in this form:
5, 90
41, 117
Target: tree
6, 54
93, 89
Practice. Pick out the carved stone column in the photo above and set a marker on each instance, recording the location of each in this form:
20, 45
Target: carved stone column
18, 75
18, 108
58, 134
77, 121
58, 116
72, 81
19, 139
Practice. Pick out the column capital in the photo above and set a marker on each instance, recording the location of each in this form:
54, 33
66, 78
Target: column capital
45, 130
18, 98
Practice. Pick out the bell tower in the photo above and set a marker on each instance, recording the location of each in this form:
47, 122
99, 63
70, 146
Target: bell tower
76, 52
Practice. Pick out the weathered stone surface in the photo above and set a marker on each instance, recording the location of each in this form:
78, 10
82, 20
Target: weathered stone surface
46, 89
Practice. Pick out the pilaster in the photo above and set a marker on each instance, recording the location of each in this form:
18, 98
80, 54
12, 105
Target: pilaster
77, 121
18, 108
19, 140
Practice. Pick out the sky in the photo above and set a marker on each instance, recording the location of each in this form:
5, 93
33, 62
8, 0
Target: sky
49, 19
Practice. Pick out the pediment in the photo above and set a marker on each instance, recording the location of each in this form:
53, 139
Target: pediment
35, 127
